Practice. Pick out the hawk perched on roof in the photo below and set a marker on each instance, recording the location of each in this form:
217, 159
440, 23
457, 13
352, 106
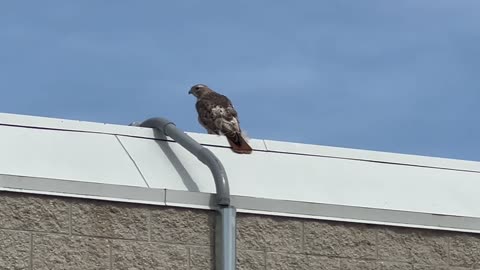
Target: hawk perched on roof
217, 115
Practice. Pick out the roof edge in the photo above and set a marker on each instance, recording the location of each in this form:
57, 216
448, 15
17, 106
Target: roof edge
27, 121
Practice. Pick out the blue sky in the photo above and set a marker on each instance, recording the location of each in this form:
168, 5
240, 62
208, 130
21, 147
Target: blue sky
397, 76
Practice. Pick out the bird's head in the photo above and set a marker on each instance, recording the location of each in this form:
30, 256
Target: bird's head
199, 90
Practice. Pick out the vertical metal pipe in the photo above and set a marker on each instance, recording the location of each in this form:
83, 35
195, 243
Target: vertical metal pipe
225, 238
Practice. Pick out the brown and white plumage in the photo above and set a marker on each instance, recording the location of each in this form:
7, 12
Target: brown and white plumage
218, 116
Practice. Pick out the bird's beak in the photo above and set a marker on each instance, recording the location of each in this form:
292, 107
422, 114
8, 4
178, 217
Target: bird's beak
190, 92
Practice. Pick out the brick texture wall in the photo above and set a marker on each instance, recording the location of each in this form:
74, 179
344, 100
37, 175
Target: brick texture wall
43, 232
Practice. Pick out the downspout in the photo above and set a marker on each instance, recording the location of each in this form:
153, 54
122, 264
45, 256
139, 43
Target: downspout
225, 229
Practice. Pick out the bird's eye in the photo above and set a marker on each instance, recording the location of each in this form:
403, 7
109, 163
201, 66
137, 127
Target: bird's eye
197, 87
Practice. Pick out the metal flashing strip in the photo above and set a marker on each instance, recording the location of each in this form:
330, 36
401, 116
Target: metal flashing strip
355, 214
197, 200
263, 206
83, 190
319, 211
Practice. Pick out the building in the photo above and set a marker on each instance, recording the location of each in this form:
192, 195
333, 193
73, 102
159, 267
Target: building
80, 195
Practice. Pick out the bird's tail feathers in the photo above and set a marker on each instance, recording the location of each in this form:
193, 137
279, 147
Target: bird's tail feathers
239, 144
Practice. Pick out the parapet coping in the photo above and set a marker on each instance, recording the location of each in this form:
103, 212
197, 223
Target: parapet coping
257, 144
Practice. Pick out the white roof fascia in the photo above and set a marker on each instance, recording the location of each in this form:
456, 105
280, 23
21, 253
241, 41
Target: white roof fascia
260, 145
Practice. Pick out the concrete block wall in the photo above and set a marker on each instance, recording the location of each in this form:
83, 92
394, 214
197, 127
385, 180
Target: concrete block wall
45, 232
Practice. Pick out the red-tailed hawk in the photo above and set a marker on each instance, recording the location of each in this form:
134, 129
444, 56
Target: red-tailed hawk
217, 115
